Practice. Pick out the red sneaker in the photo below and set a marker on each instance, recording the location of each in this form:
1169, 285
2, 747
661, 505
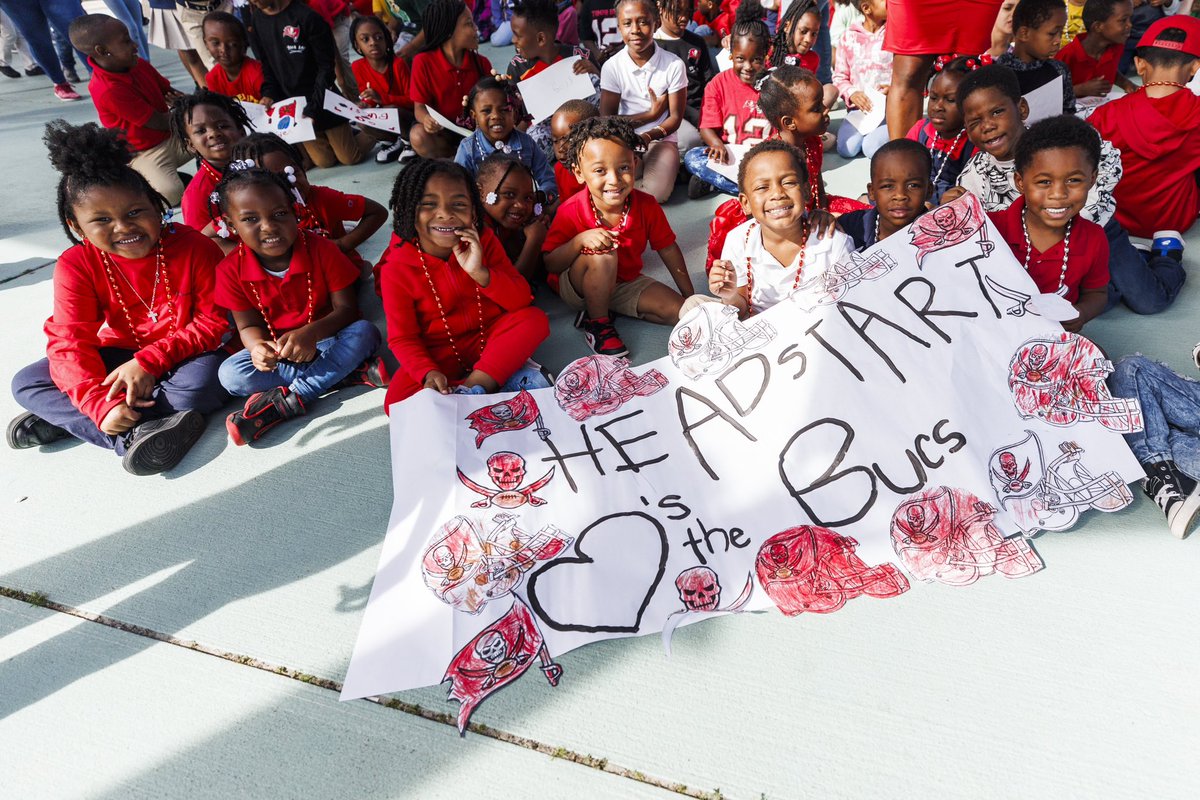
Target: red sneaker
262, 412
63, 91
601, 336
372, 372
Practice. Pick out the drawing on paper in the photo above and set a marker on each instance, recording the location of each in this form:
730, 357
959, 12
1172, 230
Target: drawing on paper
507, 471
596, 385
711, 336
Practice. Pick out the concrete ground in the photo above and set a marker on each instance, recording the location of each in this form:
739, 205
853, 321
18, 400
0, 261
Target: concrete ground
184, 635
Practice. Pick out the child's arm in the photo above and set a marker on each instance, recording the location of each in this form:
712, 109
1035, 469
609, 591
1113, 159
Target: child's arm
841, 76
373, 217
1096, 87
1126, 85
611, 101
722, 282
483, 259
712, 115
672, 256
531, 253
272, 89
324, 54
543, 172
300, 344
561, 258
1090, 305
404, 332
252, 330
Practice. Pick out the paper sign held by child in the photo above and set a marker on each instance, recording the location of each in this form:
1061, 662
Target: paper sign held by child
285, 119
385, 119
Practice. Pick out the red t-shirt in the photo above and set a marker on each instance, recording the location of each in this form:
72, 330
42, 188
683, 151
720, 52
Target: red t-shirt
416, 325
248, 85
127, 100
331, 208
565, 178
731, 107
719, 24
198, 208
285, 301
1087, 262
88, 314
438, 83
1084, 68
647, 224
392, 86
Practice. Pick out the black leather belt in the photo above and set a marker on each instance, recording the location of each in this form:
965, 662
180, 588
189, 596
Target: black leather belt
199, 5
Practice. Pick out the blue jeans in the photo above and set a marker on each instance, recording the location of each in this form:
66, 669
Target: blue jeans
337, 357
851, 143
33, 19
824, 45
130, 13
189, 385
1170, 408
696, 161
1146, 283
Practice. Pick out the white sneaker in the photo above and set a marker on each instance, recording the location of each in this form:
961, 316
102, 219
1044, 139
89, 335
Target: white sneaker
390, 152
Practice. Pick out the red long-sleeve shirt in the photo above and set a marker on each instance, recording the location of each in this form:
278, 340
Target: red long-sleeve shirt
88, 316
391, 86
416, 333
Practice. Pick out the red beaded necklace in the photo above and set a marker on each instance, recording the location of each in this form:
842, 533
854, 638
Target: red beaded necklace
160, 273
620, 227
750, 264
309, 305
442, 311
1176, 84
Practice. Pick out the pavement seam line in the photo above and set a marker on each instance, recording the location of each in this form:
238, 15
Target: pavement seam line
29, 271
445, 718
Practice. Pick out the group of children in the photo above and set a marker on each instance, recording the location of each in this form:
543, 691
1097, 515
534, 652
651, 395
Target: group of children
157, 324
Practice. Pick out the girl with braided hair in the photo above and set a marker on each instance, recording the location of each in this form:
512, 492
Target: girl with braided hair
131, 361
796, 43
459, 315
293, 301
208, 125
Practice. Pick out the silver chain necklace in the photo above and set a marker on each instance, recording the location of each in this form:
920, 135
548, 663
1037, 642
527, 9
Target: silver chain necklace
1061, 291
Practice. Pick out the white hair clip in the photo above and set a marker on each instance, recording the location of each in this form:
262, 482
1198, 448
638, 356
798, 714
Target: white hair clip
290, 171
242, 164
762, 81
222, 228
537, 209
491, 198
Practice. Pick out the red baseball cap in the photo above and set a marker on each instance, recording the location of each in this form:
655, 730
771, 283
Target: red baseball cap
1189, 24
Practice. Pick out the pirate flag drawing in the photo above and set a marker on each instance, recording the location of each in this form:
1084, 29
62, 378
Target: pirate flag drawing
513, 414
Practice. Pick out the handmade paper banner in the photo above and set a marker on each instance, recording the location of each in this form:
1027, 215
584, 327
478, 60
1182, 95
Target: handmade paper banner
553, 86
1045, 101
285, 118
904, 418
385, 119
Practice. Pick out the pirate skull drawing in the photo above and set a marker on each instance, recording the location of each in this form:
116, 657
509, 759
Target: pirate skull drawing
596, 385
699, 589
507, 471
711, 336
1060, 380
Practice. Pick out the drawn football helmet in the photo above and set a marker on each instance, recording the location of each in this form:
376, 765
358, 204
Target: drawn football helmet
1041, 497
711, 336
946, 535
835, 282
1060, 380
595, 385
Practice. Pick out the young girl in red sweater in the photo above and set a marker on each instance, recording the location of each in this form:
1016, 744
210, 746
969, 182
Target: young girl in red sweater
131, 361
208, 125
458, 314
383, 82
320, 210
293, 302
516, 210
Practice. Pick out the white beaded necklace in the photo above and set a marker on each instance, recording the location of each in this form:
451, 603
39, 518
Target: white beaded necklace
1061, 291
945, 154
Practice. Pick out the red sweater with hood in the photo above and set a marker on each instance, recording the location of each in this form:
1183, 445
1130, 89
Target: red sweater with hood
1159, 140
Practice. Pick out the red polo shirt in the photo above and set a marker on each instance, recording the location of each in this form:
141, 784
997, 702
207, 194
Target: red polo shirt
248, 85
1084, 68
1087, 262
88, 314
647, 224
198, 208
285, 300
392, 86
565, 178
438, 83
127, 100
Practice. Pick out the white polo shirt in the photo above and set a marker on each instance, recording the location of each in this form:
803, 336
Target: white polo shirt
772, 280
664, 73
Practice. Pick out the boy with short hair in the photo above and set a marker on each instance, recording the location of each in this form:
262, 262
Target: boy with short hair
569, 114
1037, 36
234, 74
132, 96
1093, 56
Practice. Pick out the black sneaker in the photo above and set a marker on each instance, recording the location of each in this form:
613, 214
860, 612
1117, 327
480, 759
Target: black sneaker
35, 71
262, 412
71, 75
697, 188
30, 430
601, 336
1175, 493
8, 71
160, 444
390, 152
372, 372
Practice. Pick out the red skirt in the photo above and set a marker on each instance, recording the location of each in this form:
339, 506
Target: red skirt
923, 27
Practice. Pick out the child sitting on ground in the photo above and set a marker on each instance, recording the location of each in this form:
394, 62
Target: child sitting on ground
1093, 56
569, 114
1168, 446
899, 190
458, 314
293, 303
766, 257
942, 129
131, 96
515, 211
731, 114
674, 37
862, 66
593, 251
646, 86
298, 57
1063, 252
994, 122
712, 21
234, 74
319, 209
795, 36
493, 105
383, 81
1157, 130
209, 125
1037, 36
132, 353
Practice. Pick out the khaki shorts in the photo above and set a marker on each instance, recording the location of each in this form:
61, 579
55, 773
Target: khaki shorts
624, 299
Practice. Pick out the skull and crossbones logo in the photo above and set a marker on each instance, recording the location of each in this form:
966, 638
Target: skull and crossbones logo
507, 471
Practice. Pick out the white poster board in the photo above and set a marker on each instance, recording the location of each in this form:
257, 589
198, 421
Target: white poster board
285, 119
866, 121
1045, 101
385, 119
545, 92
904, 418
